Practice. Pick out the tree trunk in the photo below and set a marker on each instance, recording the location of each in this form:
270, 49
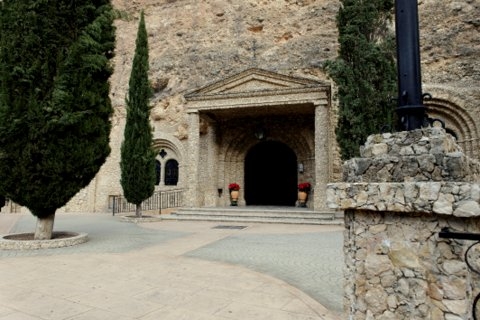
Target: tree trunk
44, 228
138, 210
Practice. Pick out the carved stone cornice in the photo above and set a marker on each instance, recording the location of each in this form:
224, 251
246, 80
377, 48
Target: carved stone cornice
257, 87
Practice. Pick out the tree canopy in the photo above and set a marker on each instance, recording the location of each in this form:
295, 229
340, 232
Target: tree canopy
54, 104
137, 154
364, 71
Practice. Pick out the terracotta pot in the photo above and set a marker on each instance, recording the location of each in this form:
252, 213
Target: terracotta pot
234, 197
302, 198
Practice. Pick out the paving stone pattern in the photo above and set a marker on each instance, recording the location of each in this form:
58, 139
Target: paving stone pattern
106, 234
312, 262
174, 270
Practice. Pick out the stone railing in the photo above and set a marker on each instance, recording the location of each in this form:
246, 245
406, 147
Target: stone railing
406, 189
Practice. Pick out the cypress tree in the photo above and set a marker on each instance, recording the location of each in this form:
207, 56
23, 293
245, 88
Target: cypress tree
364, 72
54, 104
137, 154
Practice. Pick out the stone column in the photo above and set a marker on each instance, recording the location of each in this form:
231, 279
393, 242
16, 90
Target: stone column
397, 197
211, 166
193, 159
221, 178
322, 167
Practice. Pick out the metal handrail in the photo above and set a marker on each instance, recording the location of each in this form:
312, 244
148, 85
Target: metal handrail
158, 201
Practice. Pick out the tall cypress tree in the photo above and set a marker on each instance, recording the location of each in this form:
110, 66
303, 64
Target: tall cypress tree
137, 154
364, 72
54, 104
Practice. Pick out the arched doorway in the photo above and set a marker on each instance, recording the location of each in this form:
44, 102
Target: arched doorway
271, 175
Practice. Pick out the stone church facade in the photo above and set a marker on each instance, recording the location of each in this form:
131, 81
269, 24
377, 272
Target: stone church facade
262, 130
240, 95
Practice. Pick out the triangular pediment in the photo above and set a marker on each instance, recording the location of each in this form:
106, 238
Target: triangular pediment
253, 81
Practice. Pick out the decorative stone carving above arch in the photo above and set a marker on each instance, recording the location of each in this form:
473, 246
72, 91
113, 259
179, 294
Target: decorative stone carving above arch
452, 110
163, 140
256, 87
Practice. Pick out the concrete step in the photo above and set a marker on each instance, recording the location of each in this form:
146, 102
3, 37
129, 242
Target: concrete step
284, 215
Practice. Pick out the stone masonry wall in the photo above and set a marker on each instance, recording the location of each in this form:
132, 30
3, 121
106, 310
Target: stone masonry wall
397, 267
404, 190
416, 171
421, 155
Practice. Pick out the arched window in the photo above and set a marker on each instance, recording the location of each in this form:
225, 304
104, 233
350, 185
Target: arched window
171, 172
158, 170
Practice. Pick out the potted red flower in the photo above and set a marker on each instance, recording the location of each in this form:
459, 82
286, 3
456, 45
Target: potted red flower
303, 190
233, 188
304, 186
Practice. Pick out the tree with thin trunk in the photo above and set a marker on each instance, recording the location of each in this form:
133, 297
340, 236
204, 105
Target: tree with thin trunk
364, 71
54, 104
137, 154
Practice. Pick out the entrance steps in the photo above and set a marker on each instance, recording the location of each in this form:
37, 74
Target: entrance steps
260, 214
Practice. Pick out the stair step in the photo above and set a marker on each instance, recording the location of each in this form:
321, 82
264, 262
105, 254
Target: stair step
260, 214
253, 220
255, 215
241, 210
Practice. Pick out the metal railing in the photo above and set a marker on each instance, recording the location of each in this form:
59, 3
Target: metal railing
10, 207
158, 201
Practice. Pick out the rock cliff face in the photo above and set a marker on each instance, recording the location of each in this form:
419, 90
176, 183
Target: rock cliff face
193, 43
450, 41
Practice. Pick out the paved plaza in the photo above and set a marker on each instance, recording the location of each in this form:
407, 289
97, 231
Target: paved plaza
173, 270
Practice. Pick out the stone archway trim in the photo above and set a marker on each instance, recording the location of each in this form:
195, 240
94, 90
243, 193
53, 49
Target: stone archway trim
457, 108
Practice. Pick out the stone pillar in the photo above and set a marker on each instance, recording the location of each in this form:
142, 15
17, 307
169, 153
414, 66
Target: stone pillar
397, 197
193, 159
322, 167
221, 179
211, 167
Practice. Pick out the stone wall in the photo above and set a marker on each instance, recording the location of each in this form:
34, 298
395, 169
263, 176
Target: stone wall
420, 155
397, 198
397, 267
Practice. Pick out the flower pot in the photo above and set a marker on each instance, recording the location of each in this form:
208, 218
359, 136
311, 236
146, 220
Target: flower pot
234, 198
302, 198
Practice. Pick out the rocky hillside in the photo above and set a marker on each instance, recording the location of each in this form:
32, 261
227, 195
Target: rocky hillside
450, 41
195, 42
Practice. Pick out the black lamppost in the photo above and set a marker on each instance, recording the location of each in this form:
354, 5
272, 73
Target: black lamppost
410, 109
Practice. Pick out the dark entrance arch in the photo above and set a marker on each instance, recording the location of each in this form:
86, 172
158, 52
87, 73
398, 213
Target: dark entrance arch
271, 175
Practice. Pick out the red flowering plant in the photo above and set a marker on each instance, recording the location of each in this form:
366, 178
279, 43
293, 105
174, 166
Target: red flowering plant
233, 187
304, 186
